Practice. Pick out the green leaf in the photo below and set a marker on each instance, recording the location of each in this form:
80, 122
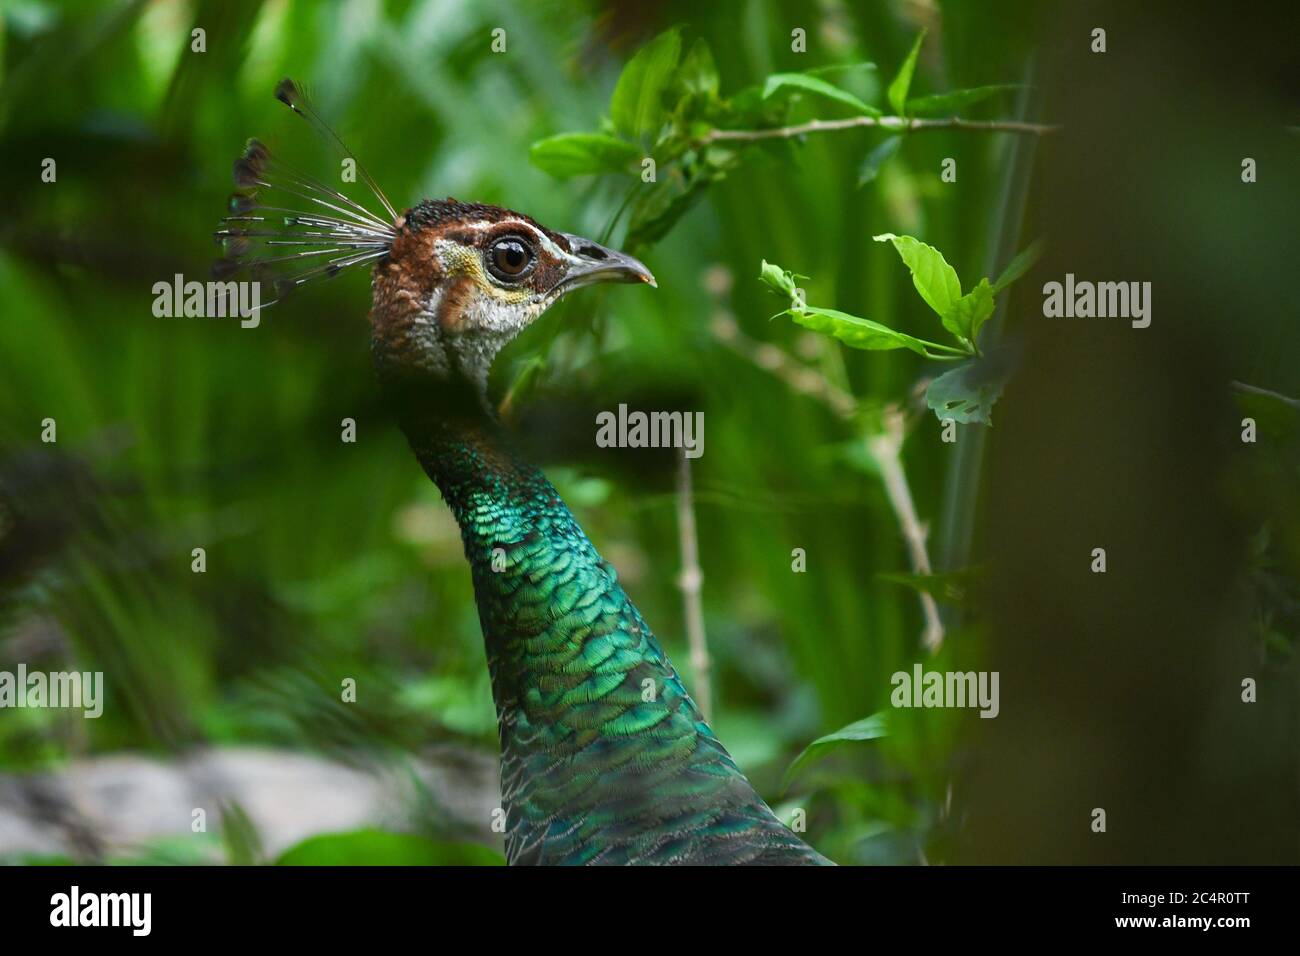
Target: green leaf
636, 106
956, 100
698, 74
970, 312
951, 587
658, 207
831, 69
868, 728
1275, 413
933, 277
854, 331
811, 84
1021, 264
968, 392
582, 154
239, 834
777, 278
897, 92
371, 847
870, 168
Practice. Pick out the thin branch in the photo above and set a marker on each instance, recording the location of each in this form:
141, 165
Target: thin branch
691, 582
887, 448
901, 124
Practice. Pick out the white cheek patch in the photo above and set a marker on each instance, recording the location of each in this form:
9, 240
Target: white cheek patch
487, 325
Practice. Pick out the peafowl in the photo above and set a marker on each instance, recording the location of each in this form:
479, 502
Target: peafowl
605, 758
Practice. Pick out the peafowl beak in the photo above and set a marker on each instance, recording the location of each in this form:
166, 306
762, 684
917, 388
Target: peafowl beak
590, 262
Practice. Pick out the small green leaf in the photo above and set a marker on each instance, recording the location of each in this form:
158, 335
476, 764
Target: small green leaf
831, 69
933, 277
868, 728
956, 100
1021, 264
239, 834
870, 168
811, 84
970, 312
381, 848
951, 587
658, 206
582, 154
1277, 414
698, 74
777, 278
897, 91
636, 106
968, 392
854, 331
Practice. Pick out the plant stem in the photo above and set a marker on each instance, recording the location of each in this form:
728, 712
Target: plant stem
691, 583
900, 124
886, 448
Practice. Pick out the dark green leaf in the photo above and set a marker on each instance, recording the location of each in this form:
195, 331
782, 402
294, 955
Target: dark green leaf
952, 587
957, 100
1275, 413
382, 848
811, 84
868, 728
870, 168
1022, 263
239, 834
659, 206
967, 393
832, 69
636, 106
898, 89
933, 277
582, 154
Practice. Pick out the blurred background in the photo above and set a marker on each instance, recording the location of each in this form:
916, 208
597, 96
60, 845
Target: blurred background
328, 560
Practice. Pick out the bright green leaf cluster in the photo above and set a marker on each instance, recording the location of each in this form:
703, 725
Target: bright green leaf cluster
850, 329
965, 394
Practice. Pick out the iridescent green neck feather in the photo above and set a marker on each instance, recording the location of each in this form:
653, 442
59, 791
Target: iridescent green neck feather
605, 757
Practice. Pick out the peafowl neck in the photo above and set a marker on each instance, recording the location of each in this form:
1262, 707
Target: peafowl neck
605, 757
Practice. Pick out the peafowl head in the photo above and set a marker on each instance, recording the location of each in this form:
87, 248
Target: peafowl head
463, 279
452, 282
